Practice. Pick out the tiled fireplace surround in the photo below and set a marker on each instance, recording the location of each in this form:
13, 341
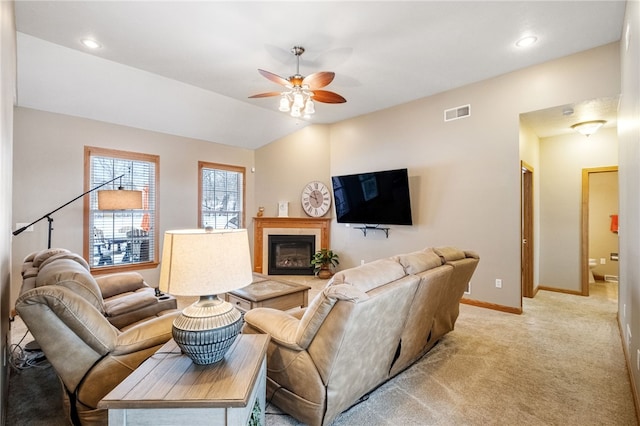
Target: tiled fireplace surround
265, 226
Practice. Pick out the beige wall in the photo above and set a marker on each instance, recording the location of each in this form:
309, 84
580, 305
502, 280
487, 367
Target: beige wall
562, 159
8, 90
603, 202
464, 174
629, 180
284, 167
48, 171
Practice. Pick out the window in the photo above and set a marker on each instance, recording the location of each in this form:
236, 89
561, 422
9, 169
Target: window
220, 196
121, 239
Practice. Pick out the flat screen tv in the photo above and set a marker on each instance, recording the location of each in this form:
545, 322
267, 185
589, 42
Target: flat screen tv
375, 198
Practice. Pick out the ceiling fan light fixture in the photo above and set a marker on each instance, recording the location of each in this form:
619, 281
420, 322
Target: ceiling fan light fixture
309, 108
298, 99
588, 128
284, 103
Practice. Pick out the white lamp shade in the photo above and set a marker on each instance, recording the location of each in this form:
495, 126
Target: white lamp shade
196, 262
119, 199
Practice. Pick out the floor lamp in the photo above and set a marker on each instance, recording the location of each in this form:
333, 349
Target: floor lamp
119, 199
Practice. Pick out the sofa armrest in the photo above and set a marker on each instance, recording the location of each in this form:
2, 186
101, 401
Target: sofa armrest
471, 254
129, 302
148, 334
121, 282
281, 326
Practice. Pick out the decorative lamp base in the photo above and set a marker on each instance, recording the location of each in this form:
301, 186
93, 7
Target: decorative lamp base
205, 330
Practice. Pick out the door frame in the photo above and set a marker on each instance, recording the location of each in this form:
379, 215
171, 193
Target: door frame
584, 240
526, 230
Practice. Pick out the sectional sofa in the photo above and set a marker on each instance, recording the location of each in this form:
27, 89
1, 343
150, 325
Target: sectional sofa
367, 325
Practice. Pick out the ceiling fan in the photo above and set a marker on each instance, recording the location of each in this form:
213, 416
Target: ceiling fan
301, 91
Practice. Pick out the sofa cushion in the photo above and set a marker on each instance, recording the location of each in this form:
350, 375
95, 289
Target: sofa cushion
129, 301
449, 254
122, 282
43, 255
72, 256
71, 274
419, 261
370, 275
320, 307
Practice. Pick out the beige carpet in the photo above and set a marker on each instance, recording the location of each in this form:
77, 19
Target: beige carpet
560, 363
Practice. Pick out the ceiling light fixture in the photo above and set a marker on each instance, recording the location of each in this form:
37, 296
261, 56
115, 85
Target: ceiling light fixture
588, 128
526, 41
298, 99
91, 44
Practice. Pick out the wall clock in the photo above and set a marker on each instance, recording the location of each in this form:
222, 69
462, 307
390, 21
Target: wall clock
316, 199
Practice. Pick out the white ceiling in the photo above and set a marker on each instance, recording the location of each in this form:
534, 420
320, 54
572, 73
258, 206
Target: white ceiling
187, 68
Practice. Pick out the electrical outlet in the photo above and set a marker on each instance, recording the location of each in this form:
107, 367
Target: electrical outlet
468, 290
603, 260
498, 283
361, 261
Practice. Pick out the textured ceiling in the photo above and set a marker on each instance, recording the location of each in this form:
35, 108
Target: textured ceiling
188, 68
558, 120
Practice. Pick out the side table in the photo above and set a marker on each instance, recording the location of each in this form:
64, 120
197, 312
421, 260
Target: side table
169, 389
269, 293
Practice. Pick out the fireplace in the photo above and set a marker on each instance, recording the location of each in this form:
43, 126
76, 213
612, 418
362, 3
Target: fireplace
265, 226
291, 254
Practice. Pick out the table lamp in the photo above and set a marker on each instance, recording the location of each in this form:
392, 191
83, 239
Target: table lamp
206, 263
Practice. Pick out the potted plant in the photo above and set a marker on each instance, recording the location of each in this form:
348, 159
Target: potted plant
322, 262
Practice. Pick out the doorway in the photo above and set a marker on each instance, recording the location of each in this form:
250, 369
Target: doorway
526, 250
591, 213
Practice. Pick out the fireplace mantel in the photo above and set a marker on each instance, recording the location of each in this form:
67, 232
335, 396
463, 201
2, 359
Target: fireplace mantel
263, 225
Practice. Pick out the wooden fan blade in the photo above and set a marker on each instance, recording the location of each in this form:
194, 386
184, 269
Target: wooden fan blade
275, 78
265, 95
328, 97
319, 79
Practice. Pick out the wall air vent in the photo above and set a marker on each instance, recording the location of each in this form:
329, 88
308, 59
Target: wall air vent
457, 112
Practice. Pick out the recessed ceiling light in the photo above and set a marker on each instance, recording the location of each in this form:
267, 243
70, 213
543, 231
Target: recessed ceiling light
526, 41
91, 44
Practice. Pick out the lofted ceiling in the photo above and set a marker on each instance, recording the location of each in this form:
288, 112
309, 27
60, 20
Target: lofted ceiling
188, 68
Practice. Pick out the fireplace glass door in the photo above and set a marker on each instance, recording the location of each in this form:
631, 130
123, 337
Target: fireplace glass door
291, 254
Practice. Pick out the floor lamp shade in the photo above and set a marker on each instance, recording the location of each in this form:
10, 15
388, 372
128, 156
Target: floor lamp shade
206, 263
119, 199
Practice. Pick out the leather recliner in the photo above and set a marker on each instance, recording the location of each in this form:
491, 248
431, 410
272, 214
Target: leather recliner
123, 298
89, 354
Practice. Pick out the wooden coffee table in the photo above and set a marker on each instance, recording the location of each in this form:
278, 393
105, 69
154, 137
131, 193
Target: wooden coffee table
269, 293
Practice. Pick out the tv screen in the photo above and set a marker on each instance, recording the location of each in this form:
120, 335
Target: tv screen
376, 198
